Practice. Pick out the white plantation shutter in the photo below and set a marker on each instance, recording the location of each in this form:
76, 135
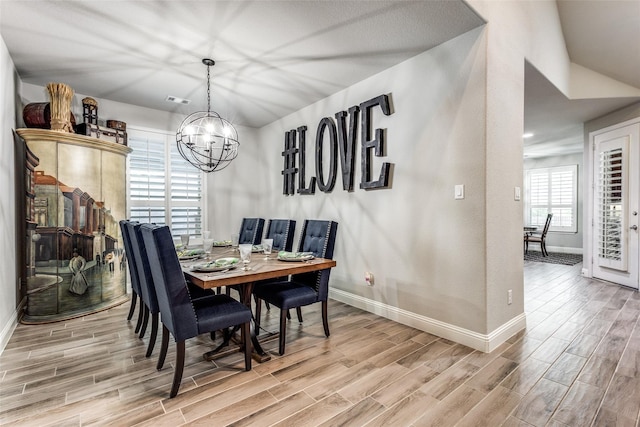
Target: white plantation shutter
186, 196
552, 190
176, 201
611, 194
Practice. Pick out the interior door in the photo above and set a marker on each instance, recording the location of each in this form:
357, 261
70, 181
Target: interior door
616, 238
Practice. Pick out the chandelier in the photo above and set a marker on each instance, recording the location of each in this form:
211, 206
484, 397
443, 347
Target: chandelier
205, 139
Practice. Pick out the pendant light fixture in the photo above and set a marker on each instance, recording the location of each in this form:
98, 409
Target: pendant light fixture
205, 139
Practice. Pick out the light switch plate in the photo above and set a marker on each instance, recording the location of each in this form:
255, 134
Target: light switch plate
517, 194
458, 192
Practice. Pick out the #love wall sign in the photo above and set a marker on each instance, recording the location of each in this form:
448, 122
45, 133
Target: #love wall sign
342, 140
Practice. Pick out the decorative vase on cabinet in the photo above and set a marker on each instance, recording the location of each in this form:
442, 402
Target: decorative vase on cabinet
75, 256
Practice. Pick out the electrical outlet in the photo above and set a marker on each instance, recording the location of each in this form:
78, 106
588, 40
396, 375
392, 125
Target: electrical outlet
509, 296
368, 277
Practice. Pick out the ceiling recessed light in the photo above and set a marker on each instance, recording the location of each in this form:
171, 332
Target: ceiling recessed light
527, 135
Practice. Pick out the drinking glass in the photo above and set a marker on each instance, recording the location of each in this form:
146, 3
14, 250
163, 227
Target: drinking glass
267, 244
207, 244
206, 234
245, 256
235, 238
184, 238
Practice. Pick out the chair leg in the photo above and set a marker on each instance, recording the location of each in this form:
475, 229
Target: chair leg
140, 316
132, 309
283, 330
164, 346
154, 334
288, 315
325, 320
245, 336
268, 306
177, 375
299, 312
145, 321
258, 310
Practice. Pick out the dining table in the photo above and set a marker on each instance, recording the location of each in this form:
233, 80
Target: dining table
261, 267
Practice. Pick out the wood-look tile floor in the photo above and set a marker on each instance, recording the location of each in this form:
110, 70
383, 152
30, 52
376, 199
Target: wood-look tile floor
577, 364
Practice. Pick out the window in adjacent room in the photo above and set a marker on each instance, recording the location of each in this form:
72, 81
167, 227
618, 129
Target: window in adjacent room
552, 190
163, 187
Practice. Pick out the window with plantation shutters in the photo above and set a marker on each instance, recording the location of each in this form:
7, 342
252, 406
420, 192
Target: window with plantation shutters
552, 190
163, 187
610, 197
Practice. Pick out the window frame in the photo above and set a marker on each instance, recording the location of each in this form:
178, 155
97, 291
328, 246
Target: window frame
166, 203
550, 205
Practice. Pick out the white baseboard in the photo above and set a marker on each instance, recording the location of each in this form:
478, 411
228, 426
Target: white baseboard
475, 340
564, 250
8, 329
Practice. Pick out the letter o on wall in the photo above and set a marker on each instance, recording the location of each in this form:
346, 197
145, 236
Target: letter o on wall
326, 185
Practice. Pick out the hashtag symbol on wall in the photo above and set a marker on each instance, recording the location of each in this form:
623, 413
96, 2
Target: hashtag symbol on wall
290, 169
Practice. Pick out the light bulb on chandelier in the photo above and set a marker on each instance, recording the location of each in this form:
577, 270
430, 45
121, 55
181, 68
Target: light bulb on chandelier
205, 139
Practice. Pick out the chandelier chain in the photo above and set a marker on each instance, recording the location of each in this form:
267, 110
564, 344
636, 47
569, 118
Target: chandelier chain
208, 89
206, 140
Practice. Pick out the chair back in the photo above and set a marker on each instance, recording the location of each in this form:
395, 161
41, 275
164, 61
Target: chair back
176, 309
251, 231
281, 231
318, 237
145, 277
131, 263
547, 224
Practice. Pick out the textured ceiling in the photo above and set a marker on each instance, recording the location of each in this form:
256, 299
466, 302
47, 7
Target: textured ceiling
604, 36
272, 57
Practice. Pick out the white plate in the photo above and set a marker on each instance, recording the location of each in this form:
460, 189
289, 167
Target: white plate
212, 266
222, 243
189, 257
257, 248
297, 259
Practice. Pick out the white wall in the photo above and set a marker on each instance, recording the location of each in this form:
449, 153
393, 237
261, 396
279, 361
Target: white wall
563, 241
425, 249
8, 273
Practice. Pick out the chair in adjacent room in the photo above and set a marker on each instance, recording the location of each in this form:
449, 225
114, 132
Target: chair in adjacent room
251, 231
133, 274
180, 316
540, 237
303, 289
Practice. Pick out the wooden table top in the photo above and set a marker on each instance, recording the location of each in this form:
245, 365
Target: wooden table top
261, 269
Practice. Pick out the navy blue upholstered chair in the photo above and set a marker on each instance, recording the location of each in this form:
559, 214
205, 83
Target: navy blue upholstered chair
179, 315
281, 231
148, 295
251, 231
147, 289
303, 289
133, 274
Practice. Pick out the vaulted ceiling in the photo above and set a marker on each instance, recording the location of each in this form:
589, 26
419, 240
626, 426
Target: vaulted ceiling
275, 57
